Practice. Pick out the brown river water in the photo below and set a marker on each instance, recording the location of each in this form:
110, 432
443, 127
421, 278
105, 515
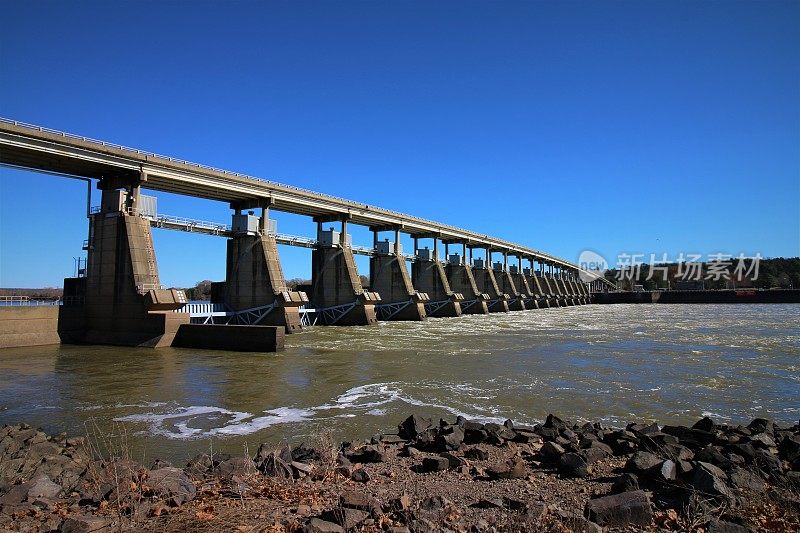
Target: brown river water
614, 363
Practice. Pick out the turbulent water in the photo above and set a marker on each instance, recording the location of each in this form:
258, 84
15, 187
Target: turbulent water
616, 363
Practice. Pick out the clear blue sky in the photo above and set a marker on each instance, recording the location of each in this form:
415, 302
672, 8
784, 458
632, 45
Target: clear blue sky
621, 127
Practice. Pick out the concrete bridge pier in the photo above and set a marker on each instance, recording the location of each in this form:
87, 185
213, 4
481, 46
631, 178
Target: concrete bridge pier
565, 288
254, 280
428, 276
507, 285
389, 277
120, 301
459, 275
487, 284
337, 293
520, 276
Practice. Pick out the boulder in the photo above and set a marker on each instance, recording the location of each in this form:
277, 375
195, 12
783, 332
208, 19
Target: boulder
622, 509
573, 465
345, 517
476, 453
721, 526
450, 438
625, 483
86, 524
745, 479
413, 426
317, 525
435, 464
172, 484
705, 424
710, 480
641, 462
273, 466
760, 425
360, 475
552, 451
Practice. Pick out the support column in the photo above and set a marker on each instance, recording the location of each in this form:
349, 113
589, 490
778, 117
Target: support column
520, 276
459, 275
337, 293
254, 280
123, 300
535, 284
389, 277
487, 284
507, 285
428, 276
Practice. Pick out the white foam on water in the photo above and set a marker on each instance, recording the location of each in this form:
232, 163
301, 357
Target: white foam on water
192, 422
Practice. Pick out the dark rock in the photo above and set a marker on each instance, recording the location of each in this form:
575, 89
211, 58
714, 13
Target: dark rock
744, 479
305, 454
496, 503
86, 524
475, 436
359, 500
625, 483
236, 466
691, 438
454, 460
643, 429
435, 464
552, 450
768, 463
392, 439
172, 484
710, 480
413, 426
476, 453
434, 503
547, 434
554, 422
620, 509
594, 454
762, 440
642, 462
713, 455
760, 425
301, 469
367, 454
705, 424
360, 475
199, 466
273, 466
744, 449
573, 465
526, 436
720, 526
317, 525
667, 471
450, 438
345, 517
789, 448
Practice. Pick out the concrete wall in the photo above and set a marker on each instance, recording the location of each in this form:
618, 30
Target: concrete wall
230, 338
28, 326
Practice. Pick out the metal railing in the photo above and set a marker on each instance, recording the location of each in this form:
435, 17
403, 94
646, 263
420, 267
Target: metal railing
19, 300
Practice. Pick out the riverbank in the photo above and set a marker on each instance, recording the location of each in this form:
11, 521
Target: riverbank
427, 476
724, 296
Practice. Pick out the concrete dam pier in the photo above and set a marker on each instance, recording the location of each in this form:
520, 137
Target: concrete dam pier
119, 299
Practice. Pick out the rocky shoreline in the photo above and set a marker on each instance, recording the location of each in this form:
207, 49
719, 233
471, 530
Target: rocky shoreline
428, 476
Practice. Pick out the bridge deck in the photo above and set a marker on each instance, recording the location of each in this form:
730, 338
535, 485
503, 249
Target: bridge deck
34, 147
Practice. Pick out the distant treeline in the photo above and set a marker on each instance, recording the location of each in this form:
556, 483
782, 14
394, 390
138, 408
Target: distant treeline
776, 272
48, 293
